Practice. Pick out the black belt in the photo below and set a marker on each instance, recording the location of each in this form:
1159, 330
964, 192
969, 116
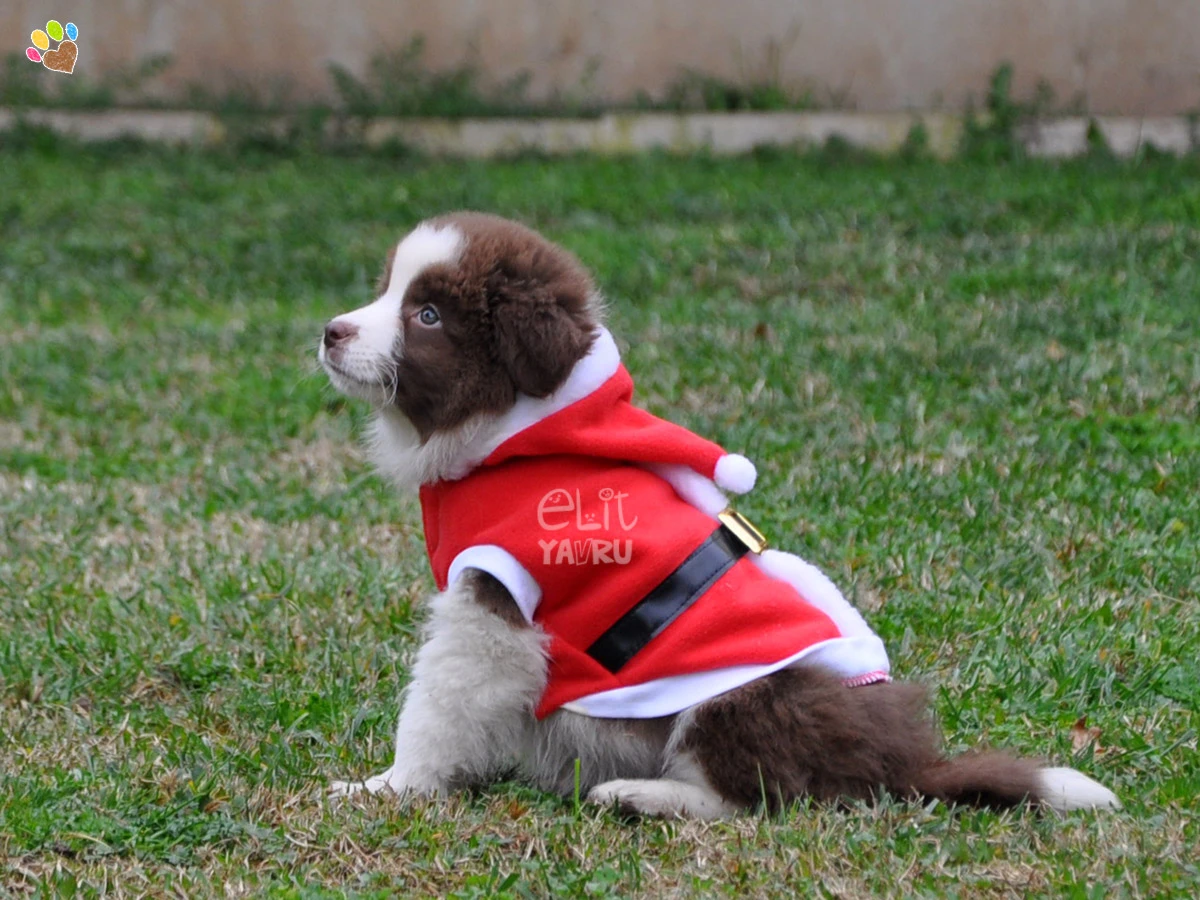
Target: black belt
676, 593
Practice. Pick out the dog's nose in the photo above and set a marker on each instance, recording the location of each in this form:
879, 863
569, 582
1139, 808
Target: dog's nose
338, 332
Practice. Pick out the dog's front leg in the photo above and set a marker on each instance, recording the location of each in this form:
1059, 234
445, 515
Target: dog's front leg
470, 703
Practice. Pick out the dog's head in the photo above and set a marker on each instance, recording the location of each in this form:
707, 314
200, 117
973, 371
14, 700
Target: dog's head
472, 311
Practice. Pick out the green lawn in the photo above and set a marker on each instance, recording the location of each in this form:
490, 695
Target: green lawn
971, 392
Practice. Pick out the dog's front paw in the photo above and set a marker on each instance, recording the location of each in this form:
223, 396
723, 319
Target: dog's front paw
370, 786
389, 782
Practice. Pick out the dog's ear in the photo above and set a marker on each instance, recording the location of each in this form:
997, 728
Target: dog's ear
539, 336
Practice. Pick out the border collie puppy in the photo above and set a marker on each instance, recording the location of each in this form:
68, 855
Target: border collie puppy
599, 600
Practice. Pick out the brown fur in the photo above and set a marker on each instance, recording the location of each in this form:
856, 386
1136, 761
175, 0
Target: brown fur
801, 732
514, 318
494, 597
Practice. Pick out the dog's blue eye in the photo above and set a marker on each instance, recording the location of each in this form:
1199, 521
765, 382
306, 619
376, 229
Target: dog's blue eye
428, 316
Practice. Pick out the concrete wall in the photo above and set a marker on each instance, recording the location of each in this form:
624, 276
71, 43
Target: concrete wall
1136, 57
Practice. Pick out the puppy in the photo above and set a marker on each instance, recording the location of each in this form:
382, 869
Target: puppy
604, 618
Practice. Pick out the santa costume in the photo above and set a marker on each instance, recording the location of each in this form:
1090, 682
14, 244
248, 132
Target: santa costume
606, 525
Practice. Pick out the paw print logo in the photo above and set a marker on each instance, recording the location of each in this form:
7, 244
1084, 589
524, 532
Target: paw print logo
65, 53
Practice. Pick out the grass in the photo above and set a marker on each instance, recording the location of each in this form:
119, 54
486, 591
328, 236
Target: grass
971, 390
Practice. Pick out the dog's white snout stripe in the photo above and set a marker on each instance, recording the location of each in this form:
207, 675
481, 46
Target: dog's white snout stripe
370, 353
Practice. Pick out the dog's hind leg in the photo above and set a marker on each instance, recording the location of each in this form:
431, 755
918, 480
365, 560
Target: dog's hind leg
684, 793
681, 790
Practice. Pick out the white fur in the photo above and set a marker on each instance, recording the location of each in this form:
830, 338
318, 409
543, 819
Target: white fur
363, 366
1064, 790
398, 454
685, 792
470, 703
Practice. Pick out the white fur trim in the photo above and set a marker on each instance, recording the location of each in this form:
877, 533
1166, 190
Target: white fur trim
664, 696
692, 487
814, 586
502, 566
1064, 790
735, 473
600, 364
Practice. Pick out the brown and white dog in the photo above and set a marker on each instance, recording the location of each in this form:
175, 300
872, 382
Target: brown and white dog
477, 329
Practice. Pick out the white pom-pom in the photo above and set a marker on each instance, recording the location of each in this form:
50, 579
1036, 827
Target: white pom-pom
735, 473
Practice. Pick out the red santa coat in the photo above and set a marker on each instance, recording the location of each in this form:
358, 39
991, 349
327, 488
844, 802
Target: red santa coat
583, 511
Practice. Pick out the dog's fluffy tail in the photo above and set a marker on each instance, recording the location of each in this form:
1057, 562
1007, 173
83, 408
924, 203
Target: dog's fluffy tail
1000, 780
801, 732
983, 778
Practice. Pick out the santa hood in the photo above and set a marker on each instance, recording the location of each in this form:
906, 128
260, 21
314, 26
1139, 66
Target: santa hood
592, 414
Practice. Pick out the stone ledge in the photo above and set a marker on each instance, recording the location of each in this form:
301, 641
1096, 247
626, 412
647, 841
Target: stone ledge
618, 133
1124, 136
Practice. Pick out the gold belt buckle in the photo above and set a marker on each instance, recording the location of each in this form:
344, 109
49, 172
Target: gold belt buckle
743, 530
